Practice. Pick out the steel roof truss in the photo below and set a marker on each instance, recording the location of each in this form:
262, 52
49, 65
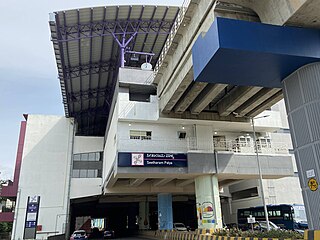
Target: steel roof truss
110, 28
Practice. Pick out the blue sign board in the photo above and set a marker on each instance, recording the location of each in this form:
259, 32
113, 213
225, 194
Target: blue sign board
126, 159
32, 207
31, 224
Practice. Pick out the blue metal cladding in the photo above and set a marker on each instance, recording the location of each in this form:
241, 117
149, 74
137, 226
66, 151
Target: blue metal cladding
252, 54
165, 215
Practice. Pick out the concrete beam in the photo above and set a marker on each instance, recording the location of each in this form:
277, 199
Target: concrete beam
256, 100
175, 89
266, 104
285, 9
136, 182
177, 76
235, 99
112, 181
185, 182
161, 182
190, 96
206, 97
207, 116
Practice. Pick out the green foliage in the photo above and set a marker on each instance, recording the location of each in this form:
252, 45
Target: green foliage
5, 227
280, 234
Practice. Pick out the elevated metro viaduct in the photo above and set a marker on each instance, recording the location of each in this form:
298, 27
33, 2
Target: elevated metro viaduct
123, 123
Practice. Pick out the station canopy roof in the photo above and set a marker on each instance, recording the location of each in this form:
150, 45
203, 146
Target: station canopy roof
87, 49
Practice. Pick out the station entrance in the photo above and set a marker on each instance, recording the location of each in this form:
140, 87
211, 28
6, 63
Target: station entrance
125, 217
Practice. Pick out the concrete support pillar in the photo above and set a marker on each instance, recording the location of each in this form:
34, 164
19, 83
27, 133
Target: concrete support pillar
144, 222
302, 95
208, 202
165, 218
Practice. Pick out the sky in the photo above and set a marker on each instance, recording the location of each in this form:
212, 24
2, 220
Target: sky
28, 73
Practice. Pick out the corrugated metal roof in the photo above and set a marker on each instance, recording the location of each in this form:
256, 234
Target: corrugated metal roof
87, 54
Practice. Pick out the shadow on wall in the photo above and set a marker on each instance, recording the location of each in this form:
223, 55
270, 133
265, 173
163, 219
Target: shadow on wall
45, 169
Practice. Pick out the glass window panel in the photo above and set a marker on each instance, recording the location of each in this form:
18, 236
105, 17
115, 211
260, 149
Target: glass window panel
92, 157
76, 173
84, 156
76, 157
83, 173
99, 174
91, 173
98, 156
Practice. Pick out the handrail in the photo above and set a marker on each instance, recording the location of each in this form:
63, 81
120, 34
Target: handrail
172, 34
249, 147
196, 144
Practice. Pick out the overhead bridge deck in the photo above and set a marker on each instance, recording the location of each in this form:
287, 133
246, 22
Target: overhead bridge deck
181, 96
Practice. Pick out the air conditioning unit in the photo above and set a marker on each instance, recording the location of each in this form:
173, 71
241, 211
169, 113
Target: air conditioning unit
182, 135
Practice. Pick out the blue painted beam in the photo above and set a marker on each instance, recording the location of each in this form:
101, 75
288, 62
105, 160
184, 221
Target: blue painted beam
252, 54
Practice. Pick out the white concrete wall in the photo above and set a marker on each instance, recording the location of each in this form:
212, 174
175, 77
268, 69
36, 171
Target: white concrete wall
88, 144
135, 76
85, 187
286, 190
133, 110
110, 147
164, 137
45, 172
281, 107
277, 191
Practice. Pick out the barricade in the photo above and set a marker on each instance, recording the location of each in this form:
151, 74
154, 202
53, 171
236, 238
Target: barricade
207, 234
312, 235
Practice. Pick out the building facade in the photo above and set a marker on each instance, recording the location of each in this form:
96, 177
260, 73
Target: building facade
150, 136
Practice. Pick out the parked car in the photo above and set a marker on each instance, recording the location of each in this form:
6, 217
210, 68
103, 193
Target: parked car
79, 235
262, 226
108, 233
179, 227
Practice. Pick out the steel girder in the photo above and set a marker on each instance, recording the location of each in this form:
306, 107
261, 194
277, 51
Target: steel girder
88, 69
111, 28
88, 94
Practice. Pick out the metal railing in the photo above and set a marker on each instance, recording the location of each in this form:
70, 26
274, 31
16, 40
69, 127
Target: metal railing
173, 32
196, 144
248, 147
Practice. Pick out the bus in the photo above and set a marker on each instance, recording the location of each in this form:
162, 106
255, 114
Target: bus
284, 215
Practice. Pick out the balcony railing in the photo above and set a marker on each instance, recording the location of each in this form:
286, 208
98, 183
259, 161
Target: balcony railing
249, 147
199, 145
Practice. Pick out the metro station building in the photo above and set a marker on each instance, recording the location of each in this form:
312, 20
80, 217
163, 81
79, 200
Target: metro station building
158, 102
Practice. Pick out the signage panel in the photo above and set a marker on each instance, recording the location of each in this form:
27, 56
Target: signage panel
126, 159
32, 210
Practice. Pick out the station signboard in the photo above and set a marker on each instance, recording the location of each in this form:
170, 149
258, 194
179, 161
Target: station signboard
126, 159
32, 210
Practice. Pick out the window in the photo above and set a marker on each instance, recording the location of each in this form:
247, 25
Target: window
86, 173
87, 165
142, 135
93, 156
251, 192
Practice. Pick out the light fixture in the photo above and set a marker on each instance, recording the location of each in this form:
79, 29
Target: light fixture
183, 127
215, 133
129, 124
